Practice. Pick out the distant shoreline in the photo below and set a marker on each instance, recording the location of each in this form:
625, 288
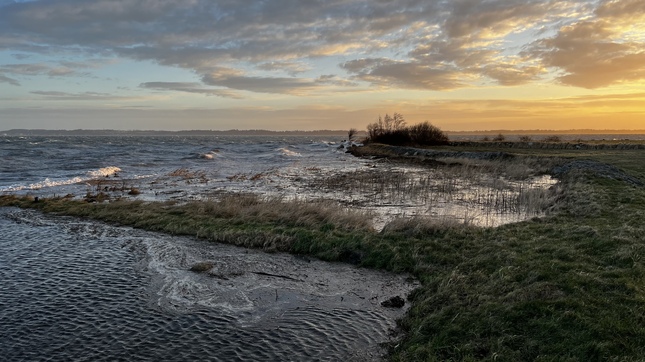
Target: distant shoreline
260, 132
109, 132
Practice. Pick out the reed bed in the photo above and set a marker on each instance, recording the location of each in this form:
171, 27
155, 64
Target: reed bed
482, 187
252, 208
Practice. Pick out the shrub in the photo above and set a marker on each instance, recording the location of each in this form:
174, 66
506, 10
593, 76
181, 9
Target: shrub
427, 134
392, 130
499, 138
552, 139
525, 139
351, 134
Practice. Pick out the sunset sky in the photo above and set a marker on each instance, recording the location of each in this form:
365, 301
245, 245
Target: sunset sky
308, 65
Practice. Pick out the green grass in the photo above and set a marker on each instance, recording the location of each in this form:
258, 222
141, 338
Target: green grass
570, 286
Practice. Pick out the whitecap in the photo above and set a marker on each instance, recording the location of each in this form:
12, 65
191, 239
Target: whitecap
209, 155
104, 172
287, 152
45, 183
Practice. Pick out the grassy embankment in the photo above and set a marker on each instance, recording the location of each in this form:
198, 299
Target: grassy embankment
569, 286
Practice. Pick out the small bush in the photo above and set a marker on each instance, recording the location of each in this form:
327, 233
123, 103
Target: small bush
499, 138
525, 139
552, 139
351, 134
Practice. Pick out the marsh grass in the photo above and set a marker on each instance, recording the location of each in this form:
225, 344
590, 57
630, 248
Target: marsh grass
482, 187
565, 287
568, 287
106, 185
269, 223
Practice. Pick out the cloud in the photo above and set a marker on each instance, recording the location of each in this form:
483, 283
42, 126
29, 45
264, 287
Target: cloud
203, 35
466, 48
621, 9
511, 75
5, 79
37, 69
595, 53
236, 79
84, 96
393, 74
290, 67
493, 19
261, 84
268, 45
189, 88
332, 79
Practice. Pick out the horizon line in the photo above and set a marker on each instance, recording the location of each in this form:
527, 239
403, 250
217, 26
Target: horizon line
572, 130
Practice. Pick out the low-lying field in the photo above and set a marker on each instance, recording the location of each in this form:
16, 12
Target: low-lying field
566, 286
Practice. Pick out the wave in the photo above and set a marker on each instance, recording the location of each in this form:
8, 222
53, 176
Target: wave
104, 172
42, 184
94, 174
289, 153
208, 155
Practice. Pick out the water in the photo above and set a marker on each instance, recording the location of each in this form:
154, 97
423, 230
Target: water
201, 167
163, 167
83, 291
74, 290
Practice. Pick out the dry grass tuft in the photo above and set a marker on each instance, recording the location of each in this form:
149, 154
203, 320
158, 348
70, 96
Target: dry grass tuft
254, 208
423, 225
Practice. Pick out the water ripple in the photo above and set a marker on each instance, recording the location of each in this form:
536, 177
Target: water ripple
84, 291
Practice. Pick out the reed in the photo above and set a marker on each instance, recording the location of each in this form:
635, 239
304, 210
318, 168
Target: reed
489, 186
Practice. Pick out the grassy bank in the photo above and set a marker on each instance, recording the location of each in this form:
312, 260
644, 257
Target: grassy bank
569, 286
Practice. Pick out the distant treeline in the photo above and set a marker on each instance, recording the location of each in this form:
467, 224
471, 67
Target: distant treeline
109, 132
547, 132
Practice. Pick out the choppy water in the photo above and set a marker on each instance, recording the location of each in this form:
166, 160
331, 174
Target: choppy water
198, 167
82, 291
166, 166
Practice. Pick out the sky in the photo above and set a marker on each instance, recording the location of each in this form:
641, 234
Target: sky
310, 65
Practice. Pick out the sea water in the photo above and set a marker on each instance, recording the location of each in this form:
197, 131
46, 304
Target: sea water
78, 290
59, 165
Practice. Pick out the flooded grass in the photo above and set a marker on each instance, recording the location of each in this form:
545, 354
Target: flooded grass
483, 193
565, 286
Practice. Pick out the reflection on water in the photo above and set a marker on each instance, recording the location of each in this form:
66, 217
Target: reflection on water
74, 290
